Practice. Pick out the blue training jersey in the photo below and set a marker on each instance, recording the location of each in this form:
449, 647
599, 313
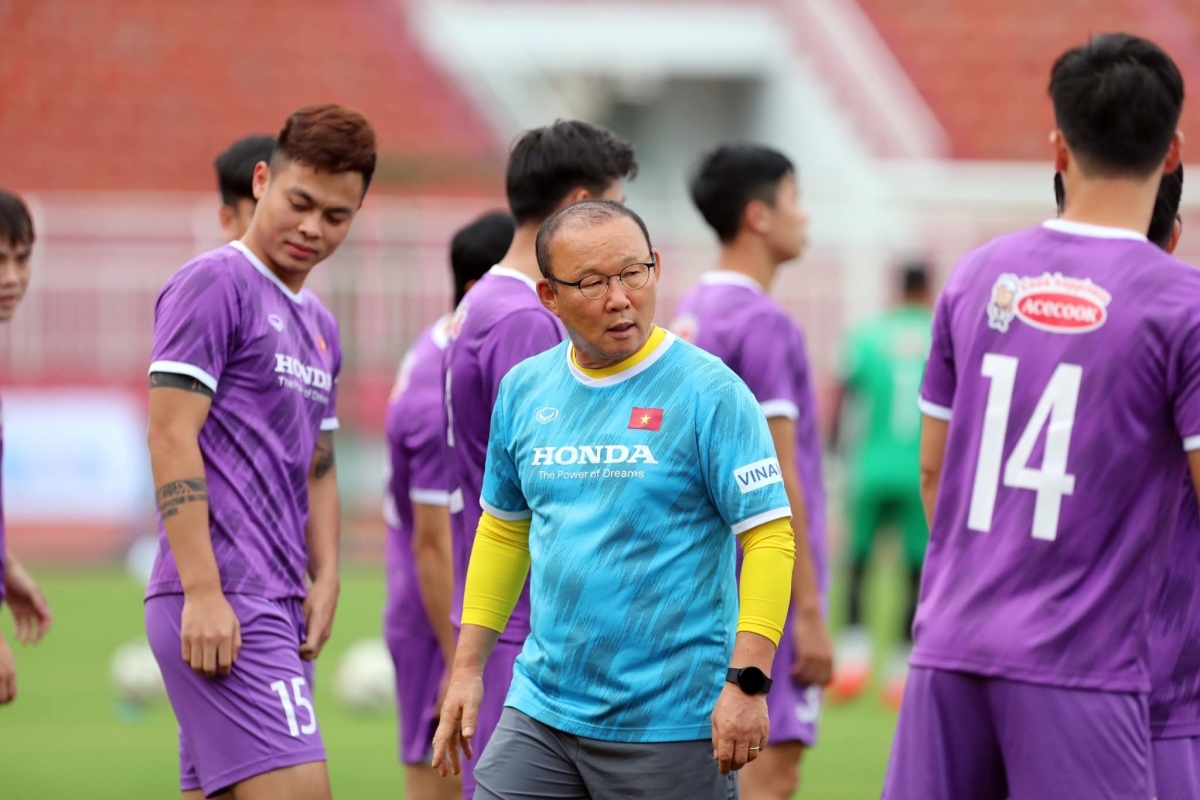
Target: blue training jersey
635, 478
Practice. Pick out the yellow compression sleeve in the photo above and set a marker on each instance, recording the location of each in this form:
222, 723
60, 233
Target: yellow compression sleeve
766, 584
496, 572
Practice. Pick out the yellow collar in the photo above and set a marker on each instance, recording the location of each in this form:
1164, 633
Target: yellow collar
656, 337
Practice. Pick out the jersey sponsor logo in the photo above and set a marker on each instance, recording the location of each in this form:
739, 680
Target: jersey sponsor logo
459, 319
646, 419
275, 321
311, 376
757, 475
593, 454
1049, 302
547, 414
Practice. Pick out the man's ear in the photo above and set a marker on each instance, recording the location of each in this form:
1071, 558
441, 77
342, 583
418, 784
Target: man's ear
547, 295
1062, 154
262, 176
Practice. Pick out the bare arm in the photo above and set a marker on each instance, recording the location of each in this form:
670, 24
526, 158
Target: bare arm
460, 711
435, 570
814, 647
933, 451
323, 536
740, 721
210, 632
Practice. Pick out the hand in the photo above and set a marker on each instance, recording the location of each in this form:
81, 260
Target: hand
210, 632
27, 601
739, 722
8, 673
319, 608
813, 660
460, 713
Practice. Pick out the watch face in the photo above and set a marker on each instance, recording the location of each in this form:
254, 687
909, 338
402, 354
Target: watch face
752, 680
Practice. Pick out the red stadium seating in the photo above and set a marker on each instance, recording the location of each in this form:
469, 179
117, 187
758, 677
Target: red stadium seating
126, 94
984, 65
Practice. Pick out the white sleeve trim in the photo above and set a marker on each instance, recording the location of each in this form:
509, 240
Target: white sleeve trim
455, 501
429, 497
1191, 443
330, 424
507, 516
780, 408
933, 410
761, 519
182, 368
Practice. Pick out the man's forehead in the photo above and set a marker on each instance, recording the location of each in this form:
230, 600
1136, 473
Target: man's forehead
327, 189
590, 246
10, 249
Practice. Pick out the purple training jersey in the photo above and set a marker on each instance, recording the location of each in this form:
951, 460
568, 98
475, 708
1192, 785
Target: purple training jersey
500, 323
272, 359
416, 432
731, 316
1066, 359
1175, 631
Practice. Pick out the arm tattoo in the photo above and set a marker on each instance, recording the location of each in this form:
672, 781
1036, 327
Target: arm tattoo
323, 455
172, 495
173, 380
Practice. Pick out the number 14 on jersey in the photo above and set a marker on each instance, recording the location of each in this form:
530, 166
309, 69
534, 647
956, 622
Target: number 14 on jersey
1051, 482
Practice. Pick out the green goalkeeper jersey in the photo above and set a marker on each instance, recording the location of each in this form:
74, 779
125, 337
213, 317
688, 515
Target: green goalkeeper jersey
882, 366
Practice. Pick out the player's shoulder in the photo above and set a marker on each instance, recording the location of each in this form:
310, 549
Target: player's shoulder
223, 265
698, 370
546, 366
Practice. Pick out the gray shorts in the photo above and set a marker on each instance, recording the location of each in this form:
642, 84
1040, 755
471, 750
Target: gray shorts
526, 759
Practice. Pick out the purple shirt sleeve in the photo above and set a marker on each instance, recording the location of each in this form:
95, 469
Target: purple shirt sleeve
330, 421
195, 324
427, 481
768, 365
941, 380
520, 336
1187, 384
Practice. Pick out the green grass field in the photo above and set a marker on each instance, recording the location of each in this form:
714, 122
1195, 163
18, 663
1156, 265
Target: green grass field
66, 737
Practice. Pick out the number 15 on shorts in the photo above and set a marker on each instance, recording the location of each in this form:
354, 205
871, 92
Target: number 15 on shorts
289, 709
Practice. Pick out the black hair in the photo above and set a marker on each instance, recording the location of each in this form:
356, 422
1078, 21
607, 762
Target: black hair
1166, 208
16, 224
546, 164
914, 278
730, 177
235, 167
586, 212
477, 248
1060, 193
1117, 100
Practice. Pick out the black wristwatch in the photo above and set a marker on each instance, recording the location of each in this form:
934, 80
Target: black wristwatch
750, 680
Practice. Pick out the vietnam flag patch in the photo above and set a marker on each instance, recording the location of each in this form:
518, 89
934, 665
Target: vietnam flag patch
646, 419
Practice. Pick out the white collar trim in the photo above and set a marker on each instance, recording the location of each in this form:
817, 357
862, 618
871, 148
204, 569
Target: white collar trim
505, 272
266, 271
727, 277
1094, 231
624, 375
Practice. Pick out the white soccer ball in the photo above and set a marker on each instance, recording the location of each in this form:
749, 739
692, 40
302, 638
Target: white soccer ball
134, 674
364, 680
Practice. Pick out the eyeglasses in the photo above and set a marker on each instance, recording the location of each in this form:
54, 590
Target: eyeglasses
595, 286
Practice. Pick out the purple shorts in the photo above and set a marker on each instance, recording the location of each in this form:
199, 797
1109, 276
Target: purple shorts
962, 735
419, 670
1177, 768
794, 708
258, 719
497, 676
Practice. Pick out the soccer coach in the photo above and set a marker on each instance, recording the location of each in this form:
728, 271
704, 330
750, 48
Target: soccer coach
619, 465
